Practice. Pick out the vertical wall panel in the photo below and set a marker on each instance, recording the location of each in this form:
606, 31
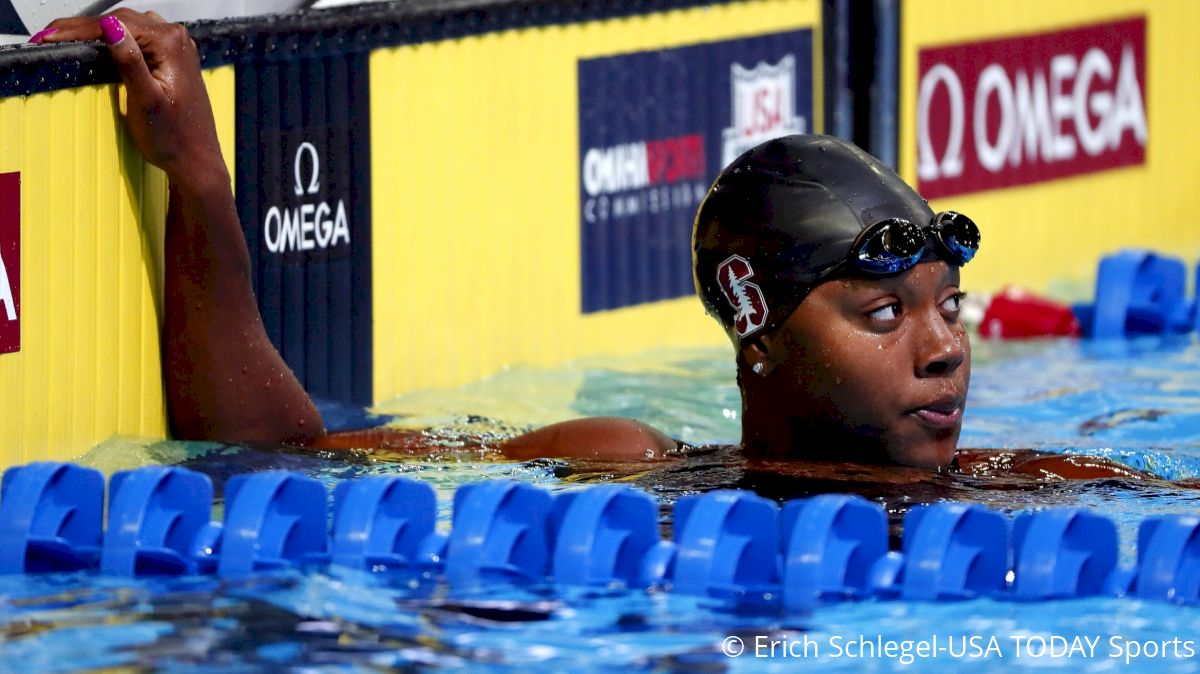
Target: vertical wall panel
304, 197
88, 314
91, 262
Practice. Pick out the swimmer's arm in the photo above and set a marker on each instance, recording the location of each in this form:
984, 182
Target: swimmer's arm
1044, 465
223, 378
607, 438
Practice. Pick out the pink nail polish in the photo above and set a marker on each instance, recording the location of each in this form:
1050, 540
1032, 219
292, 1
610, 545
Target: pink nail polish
37, 37
113, 31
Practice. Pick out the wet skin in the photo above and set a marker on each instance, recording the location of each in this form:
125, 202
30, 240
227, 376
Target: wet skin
863, 369
223, 378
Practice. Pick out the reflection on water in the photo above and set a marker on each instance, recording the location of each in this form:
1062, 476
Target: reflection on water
1137, 403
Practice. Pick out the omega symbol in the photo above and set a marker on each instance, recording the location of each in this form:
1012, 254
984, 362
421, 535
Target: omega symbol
315, 183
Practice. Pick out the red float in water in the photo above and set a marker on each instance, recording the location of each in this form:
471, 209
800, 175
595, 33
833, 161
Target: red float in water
1016, 314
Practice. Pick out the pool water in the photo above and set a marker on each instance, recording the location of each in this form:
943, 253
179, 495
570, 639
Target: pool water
1138, 403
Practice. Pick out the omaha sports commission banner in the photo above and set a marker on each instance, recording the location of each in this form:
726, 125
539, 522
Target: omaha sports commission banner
1064, 129
649, 153
428, 194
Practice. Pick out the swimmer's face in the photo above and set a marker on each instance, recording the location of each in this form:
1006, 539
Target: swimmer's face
882, 363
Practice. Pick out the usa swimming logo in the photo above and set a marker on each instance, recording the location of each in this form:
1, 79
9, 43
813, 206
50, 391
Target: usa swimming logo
764, 106
746, 298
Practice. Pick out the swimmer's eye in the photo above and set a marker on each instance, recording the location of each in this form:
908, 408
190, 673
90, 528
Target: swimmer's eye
888, 312
953, 303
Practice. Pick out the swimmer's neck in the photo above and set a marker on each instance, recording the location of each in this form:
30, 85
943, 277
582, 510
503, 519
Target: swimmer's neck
766, 436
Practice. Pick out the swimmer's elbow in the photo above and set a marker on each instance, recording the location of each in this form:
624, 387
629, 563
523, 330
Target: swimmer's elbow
233, 417
297, 430
608, 438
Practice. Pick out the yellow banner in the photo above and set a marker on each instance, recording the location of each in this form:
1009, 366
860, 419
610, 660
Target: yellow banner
91, 221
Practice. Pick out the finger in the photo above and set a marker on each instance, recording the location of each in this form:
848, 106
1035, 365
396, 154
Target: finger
134, 18
127, 56
168, 50
85, 28
41, 35
81, 29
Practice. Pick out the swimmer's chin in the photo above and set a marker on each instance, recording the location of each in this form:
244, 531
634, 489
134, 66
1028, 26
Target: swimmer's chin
936, 455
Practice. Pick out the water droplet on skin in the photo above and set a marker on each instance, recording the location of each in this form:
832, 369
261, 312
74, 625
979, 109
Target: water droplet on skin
828, 364
837, 381
245, 369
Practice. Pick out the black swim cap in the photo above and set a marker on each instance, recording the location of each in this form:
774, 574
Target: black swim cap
780, 215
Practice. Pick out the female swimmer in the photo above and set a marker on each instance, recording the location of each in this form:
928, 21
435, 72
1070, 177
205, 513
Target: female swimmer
836, 283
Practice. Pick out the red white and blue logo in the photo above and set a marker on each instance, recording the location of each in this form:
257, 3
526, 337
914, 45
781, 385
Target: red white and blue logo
764, 106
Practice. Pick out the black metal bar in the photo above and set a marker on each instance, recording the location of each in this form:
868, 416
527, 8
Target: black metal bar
30, 69
885, 99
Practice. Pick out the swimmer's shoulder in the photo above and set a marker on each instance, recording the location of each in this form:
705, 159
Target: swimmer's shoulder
608, 438
602, 438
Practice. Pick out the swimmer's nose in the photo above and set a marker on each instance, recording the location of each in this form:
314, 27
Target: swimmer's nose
940, 349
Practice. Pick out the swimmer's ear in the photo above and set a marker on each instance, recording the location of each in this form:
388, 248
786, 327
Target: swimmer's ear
759, 354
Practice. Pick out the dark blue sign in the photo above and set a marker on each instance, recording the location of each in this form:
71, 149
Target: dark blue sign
655, 128
10, 20
304, 198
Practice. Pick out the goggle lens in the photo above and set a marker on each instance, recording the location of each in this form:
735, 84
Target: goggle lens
893, 245
890, 246
958, 234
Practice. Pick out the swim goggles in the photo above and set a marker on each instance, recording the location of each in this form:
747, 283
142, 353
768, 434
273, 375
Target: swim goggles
895, 245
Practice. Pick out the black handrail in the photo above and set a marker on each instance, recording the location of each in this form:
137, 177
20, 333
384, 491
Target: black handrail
27, 69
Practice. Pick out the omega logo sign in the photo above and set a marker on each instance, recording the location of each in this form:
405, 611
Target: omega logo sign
1027, 109
7, 302
312, 224
10, 262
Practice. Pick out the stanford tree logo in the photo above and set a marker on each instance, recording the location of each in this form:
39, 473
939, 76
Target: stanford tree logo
746, 298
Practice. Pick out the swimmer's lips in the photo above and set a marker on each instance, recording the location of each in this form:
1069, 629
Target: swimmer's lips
940, 414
